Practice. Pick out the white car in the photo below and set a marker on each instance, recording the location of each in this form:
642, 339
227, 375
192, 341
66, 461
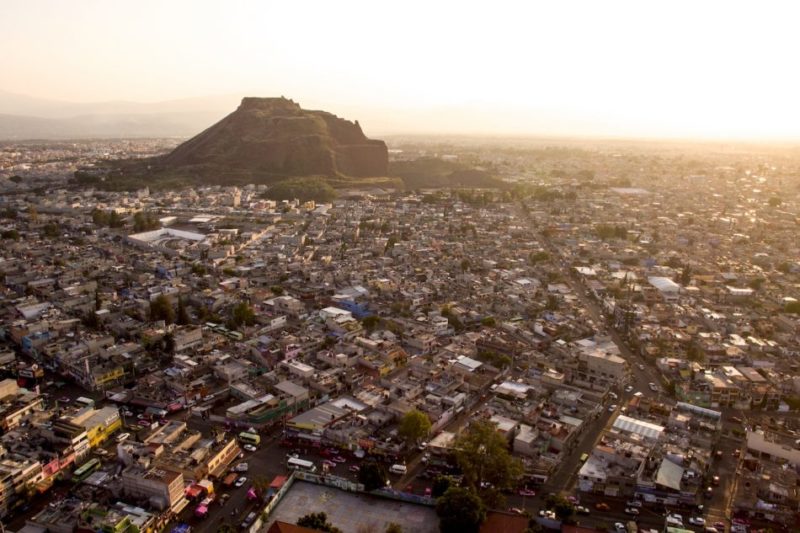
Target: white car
633, 503
629, 388
123, 437
241, 467
249, 448
632, 511
612, 408
697, 521
641, 366
241, 481
619, 527
653, 386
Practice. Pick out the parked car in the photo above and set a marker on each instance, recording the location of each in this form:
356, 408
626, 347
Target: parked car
249, 448
602, 506
612, 408
715, 480
241, 467
249, 519
123, 436
527, 492
580, 509
339, 459
640, 366
629, 388
633, 503
697, 521
632, 511
354, 468
619, 527
241, 481
653, 386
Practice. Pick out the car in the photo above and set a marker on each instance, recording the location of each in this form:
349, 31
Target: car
676, 517
640, 366
633, 503
527, 492
339, 459
619, 527
709, 491
580, 509
248, 521
737, 419
127, 413
144, 423
653, 386
428, 491
426, 457
632, 511
123, 436
241, 467
715, 480
629, 388
737, 452
612, 408
612, 395
515, 510
602, 506
546, 513
64, 399
719, 526
241, 481
697, 521
354, 468
328, 463
249, 448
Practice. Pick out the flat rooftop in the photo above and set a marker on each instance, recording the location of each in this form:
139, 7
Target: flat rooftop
349, 511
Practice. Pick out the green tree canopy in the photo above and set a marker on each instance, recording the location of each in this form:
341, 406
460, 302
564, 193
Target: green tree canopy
161, 309
482, 453
318, 521
242, 315
414, 426
372, 475
145, 221
302, 189
460, 510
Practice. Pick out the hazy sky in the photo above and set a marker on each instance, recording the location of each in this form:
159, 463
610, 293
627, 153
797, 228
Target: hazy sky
697, 68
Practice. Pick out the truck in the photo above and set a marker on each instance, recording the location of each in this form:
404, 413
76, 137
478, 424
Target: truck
230, 479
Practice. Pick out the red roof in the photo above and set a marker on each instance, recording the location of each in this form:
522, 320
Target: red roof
285, 527
500, 522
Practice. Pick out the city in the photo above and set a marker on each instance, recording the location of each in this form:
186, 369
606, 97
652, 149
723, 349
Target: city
212, 358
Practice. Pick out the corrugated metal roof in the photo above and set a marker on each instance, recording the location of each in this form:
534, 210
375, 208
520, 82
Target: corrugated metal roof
640, 427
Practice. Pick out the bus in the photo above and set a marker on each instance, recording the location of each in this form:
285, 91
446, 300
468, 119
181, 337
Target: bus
250, 438
85, 470
300, 464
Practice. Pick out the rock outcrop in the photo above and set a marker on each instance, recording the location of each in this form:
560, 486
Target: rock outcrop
274, 137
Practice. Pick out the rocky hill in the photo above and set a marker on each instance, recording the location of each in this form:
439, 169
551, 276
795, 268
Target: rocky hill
267, 138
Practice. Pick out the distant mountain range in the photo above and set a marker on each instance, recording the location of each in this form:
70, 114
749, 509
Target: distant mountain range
24, 117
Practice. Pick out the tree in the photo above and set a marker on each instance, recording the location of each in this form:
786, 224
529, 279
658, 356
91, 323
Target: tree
145, 221
440, 485
686, 275
561, 506
169, 343
489, 322
414, 426
372, 475
370, 322
50, 230
242, 315
161, 309
183, 315
318, 521
482, 453
460, 511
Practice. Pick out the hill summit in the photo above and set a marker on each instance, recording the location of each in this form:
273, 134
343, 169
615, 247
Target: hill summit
273, 138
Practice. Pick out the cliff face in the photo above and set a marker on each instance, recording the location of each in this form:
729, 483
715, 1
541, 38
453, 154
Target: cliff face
274, 136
